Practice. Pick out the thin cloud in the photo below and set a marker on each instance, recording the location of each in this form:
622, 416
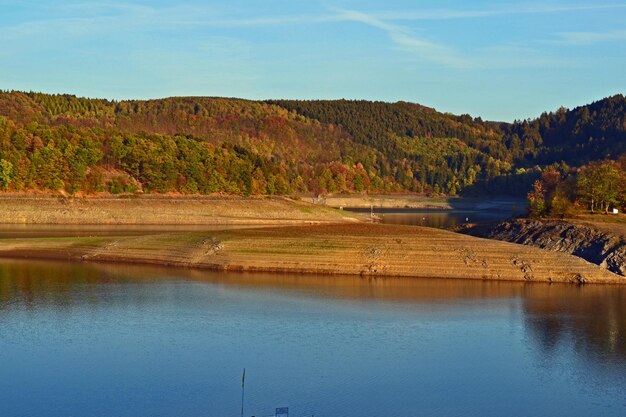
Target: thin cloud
339, 16
97, 18
406, 15
491, 57
452, 14
590, 38
404, 40
436, 14
123, 14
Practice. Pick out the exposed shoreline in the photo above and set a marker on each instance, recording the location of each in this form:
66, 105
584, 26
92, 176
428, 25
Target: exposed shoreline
270, 234
368, 250
166, 210
603, 244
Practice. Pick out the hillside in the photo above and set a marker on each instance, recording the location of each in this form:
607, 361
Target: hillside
209, 145
592, 132
489, 157
186, 145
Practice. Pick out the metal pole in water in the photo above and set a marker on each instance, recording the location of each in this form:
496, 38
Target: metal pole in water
243, 386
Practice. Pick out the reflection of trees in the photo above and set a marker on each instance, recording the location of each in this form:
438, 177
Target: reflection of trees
433, 219
442, 219
591, 319
63, 284
56, 283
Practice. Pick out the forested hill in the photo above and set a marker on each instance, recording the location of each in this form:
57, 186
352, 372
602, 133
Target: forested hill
517, 151
207, 145
380, 124
592, 132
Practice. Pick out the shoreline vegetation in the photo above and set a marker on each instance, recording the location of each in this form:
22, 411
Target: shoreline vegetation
297, 237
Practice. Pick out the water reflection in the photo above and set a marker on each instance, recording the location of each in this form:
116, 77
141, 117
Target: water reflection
442, 219
123, 340
592, 317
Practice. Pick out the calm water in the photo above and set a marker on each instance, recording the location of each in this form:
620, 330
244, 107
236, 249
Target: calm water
440, 219
90, 340
443, 219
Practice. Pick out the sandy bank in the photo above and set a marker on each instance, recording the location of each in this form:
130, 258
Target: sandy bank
351, 249
166, 211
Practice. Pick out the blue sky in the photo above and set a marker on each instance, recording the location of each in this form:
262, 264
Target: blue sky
495, 59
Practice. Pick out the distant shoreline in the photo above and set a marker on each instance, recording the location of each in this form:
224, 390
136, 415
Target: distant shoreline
419, 201
175, 209
166, 210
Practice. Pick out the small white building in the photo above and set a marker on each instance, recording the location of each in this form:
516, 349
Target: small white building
615, 211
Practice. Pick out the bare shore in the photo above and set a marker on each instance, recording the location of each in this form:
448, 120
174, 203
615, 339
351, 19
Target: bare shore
166, 210
272, 234
368, 250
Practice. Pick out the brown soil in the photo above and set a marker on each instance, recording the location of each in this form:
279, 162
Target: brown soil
157, 210
354, 249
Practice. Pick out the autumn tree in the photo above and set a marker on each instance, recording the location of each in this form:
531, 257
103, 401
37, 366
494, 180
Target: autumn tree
537, 199
6, 173
601, 184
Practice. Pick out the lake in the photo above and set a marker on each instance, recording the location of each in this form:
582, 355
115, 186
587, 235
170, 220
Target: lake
111, 340
442, 219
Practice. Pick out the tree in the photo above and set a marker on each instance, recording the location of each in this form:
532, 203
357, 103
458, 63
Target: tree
6, 173
537, 199
601, 184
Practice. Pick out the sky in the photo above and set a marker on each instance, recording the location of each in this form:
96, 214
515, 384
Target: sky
498, 60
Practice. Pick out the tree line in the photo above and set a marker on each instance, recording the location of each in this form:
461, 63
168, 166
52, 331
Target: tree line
597, 186
208, 145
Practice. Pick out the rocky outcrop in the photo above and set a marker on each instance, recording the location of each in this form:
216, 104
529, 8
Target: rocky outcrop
596, 246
